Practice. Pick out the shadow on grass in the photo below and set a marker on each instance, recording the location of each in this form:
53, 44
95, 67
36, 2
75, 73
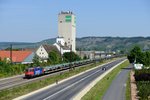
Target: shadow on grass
129, 68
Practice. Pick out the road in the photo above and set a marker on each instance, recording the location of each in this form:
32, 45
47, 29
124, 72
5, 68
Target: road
117, 89
68, 89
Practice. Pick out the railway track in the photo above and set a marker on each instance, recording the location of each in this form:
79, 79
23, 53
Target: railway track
9, 83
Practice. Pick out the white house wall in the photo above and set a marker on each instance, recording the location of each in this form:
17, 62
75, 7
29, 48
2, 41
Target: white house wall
41, 52
62, 50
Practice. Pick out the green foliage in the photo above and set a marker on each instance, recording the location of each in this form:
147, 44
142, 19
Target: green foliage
144, 90
128, 88
14, 49
85, 57
135, 55
146, 58
140, 57
142, 75
142, 78
36, 61
7, 69
54, 57
70, 57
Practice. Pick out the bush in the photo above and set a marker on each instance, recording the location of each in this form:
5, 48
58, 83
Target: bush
7, 69
54, 57
70, 57
142, 78
144, 89
142, 75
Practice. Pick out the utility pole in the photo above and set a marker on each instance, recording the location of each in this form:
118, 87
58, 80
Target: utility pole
60, 53
80, 52
11, 53
70, 53
94, 57
70, 56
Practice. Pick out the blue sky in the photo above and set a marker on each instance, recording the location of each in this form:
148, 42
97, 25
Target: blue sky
35, 20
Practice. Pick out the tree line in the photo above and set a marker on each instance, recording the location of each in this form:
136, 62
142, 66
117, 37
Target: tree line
56, 58
136, 55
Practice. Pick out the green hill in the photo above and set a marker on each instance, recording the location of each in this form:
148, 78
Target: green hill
91, 43
112, 43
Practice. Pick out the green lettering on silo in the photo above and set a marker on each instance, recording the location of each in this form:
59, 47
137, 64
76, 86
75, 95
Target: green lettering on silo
68, 18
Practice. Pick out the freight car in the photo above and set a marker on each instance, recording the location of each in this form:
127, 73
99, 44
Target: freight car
37, 71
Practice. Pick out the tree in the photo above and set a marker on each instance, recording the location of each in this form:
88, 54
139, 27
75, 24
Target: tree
36, 60
146, 58
70, 57
85, 57
135, 55
140, 57
54, 57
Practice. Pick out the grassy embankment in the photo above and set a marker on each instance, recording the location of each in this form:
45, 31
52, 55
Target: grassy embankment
128, 88
21, 90
97, 92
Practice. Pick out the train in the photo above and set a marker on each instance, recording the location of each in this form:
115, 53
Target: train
39, 70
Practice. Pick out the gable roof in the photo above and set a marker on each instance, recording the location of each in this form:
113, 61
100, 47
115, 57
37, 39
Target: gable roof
50, 48
17, 56
63, 47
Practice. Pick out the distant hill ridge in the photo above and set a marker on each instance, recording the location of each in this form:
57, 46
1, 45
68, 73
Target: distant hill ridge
91, 43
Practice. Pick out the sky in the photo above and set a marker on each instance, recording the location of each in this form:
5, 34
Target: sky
36, 20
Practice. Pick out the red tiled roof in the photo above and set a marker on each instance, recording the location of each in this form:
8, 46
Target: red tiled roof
17, 56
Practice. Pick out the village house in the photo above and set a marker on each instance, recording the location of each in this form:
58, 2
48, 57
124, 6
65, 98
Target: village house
43, 51
61, 45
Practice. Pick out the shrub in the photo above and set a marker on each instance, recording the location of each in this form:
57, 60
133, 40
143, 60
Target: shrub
142, 75
70, 57
144, 89
7, 69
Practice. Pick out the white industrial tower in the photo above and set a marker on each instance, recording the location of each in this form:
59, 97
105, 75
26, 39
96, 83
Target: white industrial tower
67, 28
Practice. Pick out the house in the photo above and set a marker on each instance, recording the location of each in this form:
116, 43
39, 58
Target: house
22, 57
61, 45
43, 51
62, 49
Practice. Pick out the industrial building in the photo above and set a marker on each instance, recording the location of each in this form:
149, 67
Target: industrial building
67, 29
